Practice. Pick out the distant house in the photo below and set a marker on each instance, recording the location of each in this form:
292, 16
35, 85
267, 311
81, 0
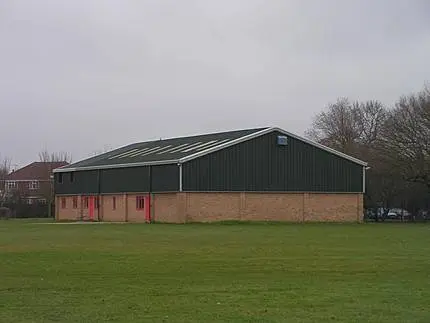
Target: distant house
33, 182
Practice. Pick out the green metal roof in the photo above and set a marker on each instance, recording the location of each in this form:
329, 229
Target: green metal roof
164, 151
182, 149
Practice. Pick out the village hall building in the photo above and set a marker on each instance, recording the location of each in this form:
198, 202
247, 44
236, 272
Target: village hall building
265, 174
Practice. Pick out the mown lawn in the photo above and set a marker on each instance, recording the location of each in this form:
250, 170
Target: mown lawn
214, 273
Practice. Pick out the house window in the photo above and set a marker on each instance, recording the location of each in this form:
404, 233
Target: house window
72, 177
75, 202
60, 178
33, 185
63, 202
140, 202
11, 185
41, 201
114, 203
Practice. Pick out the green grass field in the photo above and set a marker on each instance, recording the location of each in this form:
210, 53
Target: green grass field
214, 273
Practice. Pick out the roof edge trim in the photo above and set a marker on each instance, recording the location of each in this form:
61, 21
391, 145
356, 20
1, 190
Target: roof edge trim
76, 169
266, 131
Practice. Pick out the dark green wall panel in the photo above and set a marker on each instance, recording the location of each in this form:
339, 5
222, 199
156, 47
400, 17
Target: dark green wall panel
165, 178
133, 179
83, 182
261, 164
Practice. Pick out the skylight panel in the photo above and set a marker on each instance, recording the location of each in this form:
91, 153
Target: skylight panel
212, 145
148, 151
173, 148
124, 153
200, 146
191, 145
156, 150
136, 153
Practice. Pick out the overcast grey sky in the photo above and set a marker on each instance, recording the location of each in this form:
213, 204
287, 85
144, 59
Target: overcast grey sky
81, 75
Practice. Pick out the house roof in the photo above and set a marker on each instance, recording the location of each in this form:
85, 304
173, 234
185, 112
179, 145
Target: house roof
180, 150
35, 171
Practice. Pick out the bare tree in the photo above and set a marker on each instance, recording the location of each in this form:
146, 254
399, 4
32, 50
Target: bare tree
371, 116
405, 140
337, 127
349, 127
47, 157
4, 171
4, 167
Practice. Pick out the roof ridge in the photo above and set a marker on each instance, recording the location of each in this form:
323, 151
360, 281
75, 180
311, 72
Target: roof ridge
198, 135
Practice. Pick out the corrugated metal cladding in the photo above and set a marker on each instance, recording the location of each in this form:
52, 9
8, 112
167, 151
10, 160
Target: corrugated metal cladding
80, 182
165, 178
133, 179
261, 164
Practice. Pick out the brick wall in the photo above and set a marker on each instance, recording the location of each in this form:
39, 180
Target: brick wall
275, 207
68, 213
111, 212
166, 208
208, 207
328, 207
202, 207
133, 214
44, 187
294, 207
78, 213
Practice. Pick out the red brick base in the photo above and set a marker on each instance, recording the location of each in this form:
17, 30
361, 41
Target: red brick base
209, 207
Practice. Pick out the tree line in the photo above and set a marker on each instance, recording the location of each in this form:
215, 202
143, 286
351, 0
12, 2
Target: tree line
395, 141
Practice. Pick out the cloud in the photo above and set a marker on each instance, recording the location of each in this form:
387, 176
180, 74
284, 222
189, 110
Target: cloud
82, 75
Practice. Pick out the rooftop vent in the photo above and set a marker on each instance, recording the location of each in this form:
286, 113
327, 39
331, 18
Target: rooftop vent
282, 140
